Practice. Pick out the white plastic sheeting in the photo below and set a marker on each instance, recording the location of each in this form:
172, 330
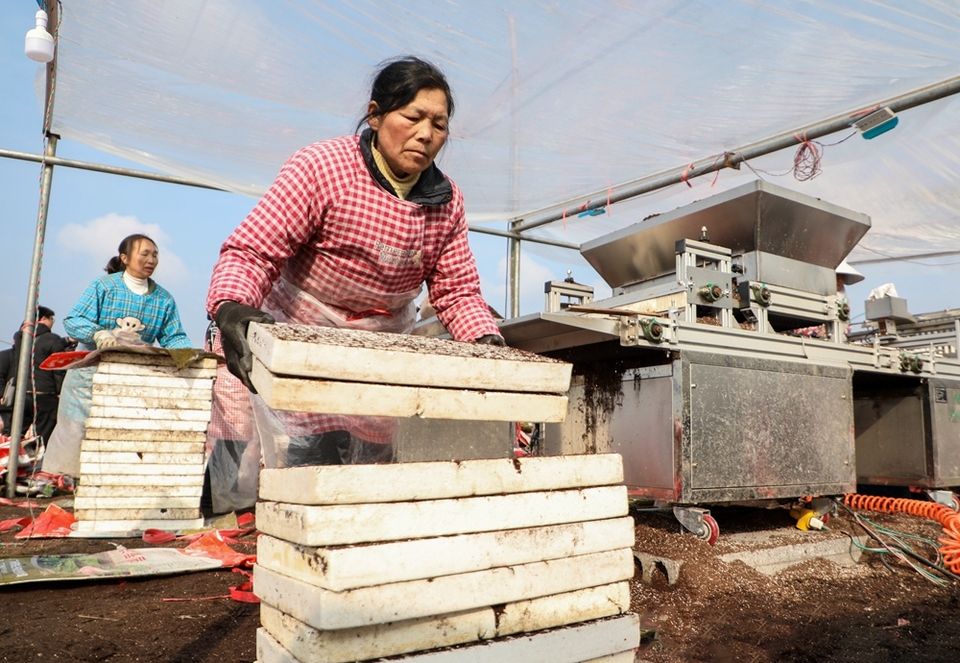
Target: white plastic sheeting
554, 99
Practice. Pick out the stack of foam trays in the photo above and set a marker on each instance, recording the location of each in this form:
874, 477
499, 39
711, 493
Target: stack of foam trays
354, 372
479, 561
475, 561
142, 458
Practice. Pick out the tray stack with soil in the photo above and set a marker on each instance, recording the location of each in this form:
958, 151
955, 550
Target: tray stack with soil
476, 561
465, 561
142, 458
352, 372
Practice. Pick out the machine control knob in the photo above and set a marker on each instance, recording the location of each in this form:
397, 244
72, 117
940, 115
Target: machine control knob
710, 292
761, 293
652, 330
843, 310
911, 363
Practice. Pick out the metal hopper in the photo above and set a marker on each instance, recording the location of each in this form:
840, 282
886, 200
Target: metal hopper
782, 237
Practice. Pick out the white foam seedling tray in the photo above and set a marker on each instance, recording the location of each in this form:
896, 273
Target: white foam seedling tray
351, 355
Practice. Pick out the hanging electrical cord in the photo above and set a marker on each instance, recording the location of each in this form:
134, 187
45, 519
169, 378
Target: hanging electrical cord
806, 160
949, 552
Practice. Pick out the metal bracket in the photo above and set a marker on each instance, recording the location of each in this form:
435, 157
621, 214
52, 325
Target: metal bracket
636, 328
706, 272
944, 497
691, 518
563, 294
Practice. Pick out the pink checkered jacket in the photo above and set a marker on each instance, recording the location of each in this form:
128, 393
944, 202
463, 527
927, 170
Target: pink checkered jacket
329, 228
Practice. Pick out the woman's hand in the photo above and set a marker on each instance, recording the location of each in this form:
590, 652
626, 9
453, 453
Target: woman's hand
232, 319
492, 339
104, 339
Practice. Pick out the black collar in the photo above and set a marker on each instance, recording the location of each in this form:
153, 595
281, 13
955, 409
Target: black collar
432, 188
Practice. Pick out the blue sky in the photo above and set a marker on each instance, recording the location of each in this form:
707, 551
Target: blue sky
90, 212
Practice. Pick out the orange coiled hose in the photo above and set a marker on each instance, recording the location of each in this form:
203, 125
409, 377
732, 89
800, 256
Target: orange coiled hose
947, 517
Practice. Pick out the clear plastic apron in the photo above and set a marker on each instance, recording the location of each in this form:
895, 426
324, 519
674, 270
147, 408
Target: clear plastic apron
243, 429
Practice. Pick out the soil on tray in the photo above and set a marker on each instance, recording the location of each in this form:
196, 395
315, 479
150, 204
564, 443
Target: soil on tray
358, 338
717, 611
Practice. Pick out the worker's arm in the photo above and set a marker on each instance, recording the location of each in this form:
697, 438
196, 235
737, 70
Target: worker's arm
251, 258
282, 220
454, 286
172, 334
83, 321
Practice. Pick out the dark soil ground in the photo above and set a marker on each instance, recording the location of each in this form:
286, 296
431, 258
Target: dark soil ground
717, 612
817, 611
122, 619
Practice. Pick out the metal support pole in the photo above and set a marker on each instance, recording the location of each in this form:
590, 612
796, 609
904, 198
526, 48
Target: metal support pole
513, 244
526, 238
110, 170
25, 363
184, 181
513, 277
24, 366
730, 159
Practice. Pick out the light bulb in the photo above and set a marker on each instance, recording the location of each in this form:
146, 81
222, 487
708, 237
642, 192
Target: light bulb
39, 44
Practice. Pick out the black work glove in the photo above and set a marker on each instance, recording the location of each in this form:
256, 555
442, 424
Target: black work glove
492, 339
232, 320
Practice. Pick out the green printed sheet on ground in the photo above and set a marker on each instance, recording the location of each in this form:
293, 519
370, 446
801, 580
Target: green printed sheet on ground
122, 562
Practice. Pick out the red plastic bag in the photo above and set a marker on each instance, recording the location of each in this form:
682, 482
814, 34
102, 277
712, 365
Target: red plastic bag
211, 544
52, 523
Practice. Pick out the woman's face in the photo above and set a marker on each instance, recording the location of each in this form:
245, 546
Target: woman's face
142, 260
409, 138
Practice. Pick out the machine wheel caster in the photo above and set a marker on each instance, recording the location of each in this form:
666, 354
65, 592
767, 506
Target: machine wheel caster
710, 531
699, 522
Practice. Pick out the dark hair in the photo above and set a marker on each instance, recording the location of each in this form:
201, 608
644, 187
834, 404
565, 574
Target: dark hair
398, 81
42, 312
126, 247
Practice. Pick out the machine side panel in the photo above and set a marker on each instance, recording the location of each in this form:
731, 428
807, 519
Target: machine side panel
770, 268
767, 429
945, 425
442, 439
891, 437
639, 426
642, 432
585, 430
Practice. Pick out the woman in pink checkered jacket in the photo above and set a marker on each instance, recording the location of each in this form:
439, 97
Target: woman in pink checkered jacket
346, 236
